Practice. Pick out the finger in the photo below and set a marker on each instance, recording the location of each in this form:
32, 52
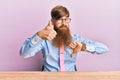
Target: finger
69, 46
80, 44
48, 38
74, 42
72, 46
77, 49
51, 36
53, 32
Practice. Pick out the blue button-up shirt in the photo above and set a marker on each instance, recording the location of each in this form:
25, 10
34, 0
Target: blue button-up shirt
51, 54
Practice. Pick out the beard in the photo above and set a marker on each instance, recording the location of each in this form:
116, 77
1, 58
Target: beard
63, 36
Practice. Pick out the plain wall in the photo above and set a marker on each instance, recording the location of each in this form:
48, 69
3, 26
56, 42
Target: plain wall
98, 20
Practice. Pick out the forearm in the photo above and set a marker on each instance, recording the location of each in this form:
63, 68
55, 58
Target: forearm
91, 46
95, 47
31, 46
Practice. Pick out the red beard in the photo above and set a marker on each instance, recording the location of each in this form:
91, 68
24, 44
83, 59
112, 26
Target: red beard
63, 36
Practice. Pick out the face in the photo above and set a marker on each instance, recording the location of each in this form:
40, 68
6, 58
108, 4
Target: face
62, 21
61, 26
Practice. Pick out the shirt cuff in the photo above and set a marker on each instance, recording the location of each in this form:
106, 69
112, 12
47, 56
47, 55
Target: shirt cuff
36, 39
90, 48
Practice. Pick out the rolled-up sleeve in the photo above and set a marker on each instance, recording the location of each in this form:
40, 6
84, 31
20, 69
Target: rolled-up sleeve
92, 46
31, 46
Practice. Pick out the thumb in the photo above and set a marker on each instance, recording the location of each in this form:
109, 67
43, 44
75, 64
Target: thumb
50, 25
72, 54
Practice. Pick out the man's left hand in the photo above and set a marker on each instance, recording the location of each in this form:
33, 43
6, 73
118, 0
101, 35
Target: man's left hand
75, 46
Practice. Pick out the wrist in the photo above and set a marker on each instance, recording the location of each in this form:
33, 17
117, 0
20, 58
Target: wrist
39, 34
83, 47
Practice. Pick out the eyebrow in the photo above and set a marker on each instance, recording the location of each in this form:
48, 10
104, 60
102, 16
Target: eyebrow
65, 17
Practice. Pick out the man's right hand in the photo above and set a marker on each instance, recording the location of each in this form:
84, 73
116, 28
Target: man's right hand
48, 33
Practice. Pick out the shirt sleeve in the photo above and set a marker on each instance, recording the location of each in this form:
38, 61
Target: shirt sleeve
92, 46
31, 46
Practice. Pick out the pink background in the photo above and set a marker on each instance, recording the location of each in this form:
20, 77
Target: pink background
98, 20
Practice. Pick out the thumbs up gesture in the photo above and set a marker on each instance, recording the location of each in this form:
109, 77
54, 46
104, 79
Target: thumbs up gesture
48, 33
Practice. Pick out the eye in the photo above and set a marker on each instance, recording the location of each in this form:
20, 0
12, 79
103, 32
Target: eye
68, 19
59, 20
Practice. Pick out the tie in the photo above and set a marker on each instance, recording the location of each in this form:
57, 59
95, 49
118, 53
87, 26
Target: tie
62, 68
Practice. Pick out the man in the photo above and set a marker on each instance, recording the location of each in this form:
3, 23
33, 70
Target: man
58, 46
